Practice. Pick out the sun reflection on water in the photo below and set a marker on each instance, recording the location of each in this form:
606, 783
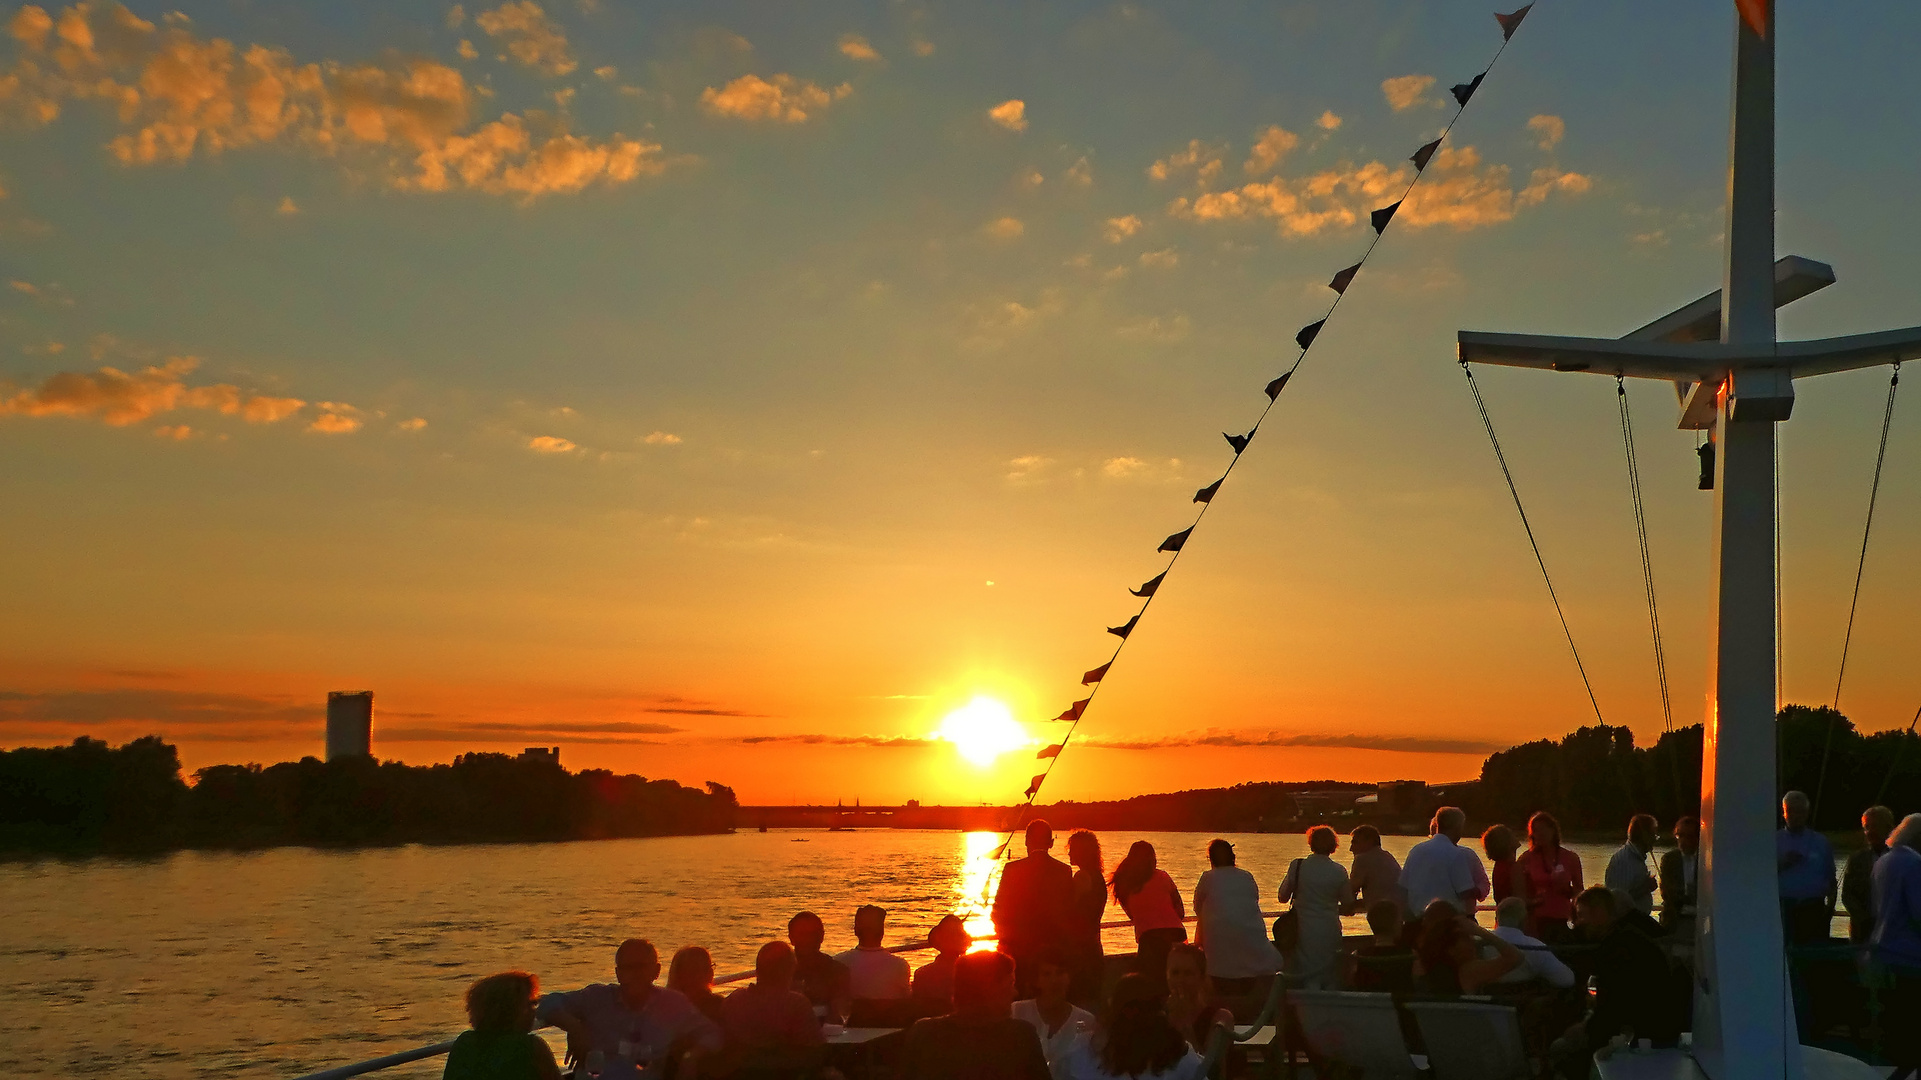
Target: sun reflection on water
973, 893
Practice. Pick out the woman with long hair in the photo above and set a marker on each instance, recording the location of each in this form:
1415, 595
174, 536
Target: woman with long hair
1448, 961
1316, 886
1499, 843
1190, 996
1083, 945
1549, 878
1153, 905
502, 1044
692, 973
1135, 1039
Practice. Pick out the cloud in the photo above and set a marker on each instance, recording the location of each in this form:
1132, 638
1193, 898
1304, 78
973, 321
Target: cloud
176, 432
885, 741
1030, 179
661, 438
784, 98
261, 409
1549, 129
287, 207
176, 96
466, 50
1550, 181
1079, 174
455, 16
118, 398
1027, 468
416, 424
1407, 91
1328, 121
607, 72
1004, 228
551, 444
1408, 744
170, 707
1200, 158
1010, 114
1270, 148
529, 36
923, 47
1164, 259
1118, 229
334, 423
856, 47
1133, 468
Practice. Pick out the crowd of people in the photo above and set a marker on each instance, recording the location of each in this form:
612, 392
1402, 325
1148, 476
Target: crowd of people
1041, 1005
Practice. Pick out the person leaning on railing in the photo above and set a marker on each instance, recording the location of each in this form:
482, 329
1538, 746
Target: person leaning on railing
502, 1044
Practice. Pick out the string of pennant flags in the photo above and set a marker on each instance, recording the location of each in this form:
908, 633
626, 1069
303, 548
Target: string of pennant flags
1304, 339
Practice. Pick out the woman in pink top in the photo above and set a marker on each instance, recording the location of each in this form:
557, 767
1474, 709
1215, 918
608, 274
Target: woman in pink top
1550, 878
1153, 905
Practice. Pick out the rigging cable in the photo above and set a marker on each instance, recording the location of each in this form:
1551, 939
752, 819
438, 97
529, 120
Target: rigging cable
1867, 528
1486, 422
1647, 560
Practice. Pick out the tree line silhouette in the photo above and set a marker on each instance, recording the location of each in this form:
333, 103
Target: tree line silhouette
90, 796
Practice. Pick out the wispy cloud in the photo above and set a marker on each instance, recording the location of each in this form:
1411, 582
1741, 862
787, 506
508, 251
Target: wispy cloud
856, 47
1407, 744
118, 398
529, 36
1408, 91
783, 98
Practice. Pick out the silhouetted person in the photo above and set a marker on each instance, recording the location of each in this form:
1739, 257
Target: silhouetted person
1060, 1023
501, 1044
1634, 988
1374, 873
1805, 862
1153, 905
1135, 1039
771, 1027
1385, 964
1681, 876
1499, 844
821, 977
1315, 887
1190, 998
1033, 908
1229, 927
934, 980
1439, 868
1089, 905
979, 1040
1857, 879
1896, 944
1448, 961
1627, 870
631, 1023
1550, 878
873, 973
692, 973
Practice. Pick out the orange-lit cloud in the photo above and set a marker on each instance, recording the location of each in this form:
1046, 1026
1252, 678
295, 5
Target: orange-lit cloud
784, 98
1328, 121
661, 438
1010, 114
1270, 148
1407, 91
856, 47
1549, 129
1118, 229
1408, 744
529, 36
119, 398
551, 444
1004, 228
333, 423
1201, 159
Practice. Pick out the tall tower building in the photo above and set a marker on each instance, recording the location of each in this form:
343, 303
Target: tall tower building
350, 723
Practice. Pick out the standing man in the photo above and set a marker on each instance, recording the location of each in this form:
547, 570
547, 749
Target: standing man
1857, 880
1439, 868
1805, 864
1680, 871
1628, 870
1375, 873
634, 1027
1033, 907
1896, 944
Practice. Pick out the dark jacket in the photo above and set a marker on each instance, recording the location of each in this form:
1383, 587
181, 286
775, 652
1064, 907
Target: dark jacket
1677, 899
1635, 988
1034, 907
1857, 892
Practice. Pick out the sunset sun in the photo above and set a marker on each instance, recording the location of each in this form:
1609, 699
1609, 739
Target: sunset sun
982, 730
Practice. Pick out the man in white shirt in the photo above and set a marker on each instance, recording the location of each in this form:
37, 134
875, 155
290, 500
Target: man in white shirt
1536, 961
873, 973
1438, 868
1627, 871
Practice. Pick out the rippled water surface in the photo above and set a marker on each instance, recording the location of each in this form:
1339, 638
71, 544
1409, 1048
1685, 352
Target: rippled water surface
275, 963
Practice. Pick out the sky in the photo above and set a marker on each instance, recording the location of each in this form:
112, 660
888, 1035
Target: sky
732, 391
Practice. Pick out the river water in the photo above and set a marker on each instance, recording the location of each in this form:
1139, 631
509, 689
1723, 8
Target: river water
276, 963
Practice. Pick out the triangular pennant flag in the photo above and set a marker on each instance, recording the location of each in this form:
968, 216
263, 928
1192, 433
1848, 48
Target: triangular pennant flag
1381, 217
1274, 388
1465, 90
1074, 711
1238, 442
1146, 589
1034, 786
1127, 627
1096, 675
1206, 494
1049, 751
1175, 542
1755, 14
1345, 278
1511, 21
1422, 156
1309, 333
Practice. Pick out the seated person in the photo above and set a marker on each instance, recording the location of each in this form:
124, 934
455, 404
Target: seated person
1386, 963
1635, 989
1538, 964
770, 1026
1190, 996
1060, 1023
979, 1040
934, 980
1135, 1039
692, 973
821, 977
631, 1023
878, 982
1449, 960
502, 1044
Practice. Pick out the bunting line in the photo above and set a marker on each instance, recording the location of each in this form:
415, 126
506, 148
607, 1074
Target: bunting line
1176, 543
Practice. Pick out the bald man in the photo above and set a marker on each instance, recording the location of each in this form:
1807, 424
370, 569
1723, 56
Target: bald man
635, 1026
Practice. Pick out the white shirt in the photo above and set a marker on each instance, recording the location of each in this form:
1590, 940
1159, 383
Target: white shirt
1628, 872
1536, 961
1227, 905
1438, 869
1059, 1046
876, 974
1085, 1064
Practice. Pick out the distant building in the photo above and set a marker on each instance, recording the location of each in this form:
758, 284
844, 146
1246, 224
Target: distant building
549, 755
350, 723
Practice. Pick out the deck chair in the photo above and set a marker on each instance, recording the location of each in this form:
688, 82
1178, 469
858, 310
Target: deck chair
1360, 1032
1472, 1040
